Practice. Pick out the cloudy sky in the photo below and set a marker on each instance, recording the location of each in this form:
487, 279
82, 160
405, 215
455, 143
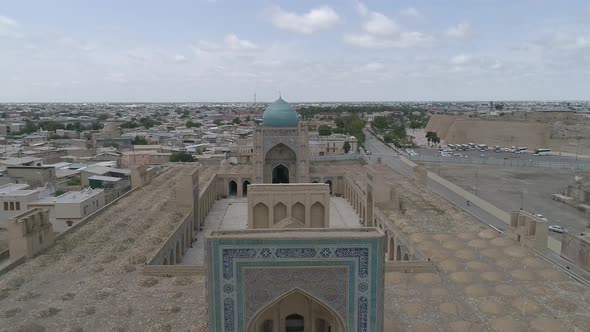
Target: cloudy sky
338, 50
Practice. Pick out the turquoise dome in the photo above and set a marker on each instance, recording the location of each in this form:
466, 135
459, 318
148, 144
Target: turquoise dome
280, 114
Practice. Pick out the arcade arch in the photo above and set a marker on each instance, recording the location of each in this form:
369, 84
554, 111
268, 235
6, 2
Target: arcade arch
232, 189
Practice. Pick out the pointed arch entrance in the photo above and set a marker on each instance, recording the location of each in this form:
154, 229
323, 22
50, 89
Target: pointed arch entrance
245, 185
280, 174
232, 189
280, 164
297, 311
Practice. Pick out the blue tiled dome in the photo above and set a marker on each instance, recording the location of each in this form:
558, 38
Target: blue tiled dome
280, 114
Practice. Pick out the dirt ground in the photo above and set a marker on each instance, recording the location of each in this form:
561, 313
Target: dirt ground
511, 188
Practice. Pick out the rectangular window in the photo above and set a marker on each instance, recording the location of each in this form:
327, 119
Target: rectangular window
11, 206
5, 206
18, 206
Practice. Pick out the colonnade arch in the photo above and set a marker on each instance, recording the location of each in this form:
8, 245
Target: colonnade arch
245, 185
232, 189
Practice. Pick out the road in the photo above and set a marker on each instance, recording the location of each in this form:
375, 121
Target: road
390, 157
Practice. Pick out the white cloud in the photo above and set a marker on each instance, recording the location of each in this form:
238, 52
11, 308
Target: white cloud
9, 27
233, 42
317, 19
230, 42
7, 21
371, 67
381, 25
582, 42
179, 58
362, 9
380, 31
410, 12
461, 30
461, 59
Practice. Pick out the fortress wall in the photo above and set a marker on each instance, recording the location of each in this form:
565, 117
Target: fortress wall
455, 129
440, 124
557, 131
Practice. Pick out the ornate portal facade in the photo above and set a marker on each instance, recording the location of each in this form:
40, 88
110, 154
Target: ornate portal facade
281, 147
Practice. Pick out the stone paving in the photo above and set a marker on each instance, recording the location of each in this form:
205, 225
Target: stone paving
486, 282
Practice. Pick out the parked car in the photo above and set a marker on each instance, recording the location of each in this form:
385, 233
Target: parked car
557, 229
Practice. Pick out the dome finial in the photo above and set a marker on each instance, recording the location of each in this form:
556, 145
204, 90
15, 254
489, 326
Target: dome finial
280, 94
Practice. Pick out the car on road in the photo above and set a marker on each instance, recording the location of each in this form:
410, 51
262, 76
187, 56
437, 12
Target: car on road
557, 229
540, 216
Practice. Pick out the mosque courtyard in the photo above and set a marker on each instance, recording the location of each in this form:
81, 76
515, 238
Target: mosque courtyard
232, 214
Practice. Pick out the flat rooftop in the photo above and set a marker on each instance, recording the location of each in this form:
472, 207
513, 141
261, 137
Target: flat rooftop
76, 196
8, 188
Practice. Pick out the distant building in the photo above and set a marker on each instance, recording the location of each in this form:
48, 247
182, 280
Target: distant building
36, 176
10, 128
331, 145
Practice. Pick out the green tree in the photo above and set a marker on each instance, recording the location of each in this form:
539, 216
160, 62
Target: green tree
191, 124
325, 130
147, 122
30, 127
236, 121
103, 116
96, 125
182, 156
58, 192
248, 119
432, 136
138, 140
218, 122
346, 147
129, 125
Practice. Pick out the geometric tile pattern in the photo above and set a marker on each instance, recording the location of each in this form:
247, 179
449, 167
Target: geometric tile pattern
246, 275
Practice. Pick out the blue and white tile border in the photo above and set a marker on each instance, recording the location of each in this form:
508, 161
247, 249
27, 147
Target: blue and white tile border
363, 257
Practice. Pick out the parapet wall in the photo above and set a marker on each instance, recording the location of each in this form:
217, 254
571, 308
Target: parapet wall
289, 205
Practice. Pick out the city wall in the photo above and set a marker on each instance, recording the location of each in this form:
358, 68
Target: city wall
534, 131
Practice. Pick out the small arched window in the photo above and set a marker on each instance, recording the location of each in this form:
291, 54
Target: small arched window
294, 323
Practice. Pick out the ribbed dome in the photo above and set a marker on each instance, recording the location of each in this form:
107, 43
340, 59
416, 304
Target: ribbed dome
279, 114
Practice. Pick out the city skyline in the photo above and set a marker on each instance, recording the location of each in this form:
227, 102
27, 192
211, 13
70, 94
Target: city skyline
211, 51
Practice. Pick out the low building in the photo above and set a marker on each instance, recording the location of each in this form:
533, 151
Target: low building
36, 176
139, 158
71, 207
24, 161
332, 145
10, 128
86, 173
15, 199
